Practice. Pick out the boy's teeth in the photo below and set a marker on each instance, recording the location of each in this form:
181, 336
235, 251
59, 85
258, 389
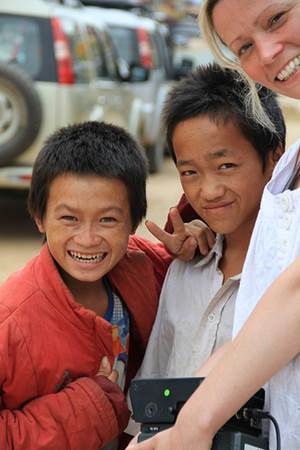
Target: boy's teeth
289, 69
87, 258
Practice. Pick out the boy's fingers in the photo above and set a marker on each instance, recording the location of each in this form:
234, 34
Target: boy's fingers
105, 367
188, 248
177, 222
114, 376
210, 237
206, 241
154, 229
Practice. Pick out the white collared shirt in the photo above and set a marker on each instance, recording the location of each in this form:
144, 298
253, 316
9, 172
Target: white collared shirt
274, 244
194, 318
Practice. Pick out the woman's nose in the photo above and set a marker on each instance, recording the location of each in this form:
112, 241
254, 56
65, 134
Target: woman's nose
268, 48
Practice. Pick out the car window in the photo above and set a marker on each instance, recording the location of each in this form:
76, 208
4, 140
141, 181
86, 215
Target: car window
156, 57
102, 53
97, 52
21, 43
110, 55
78, 38
164, 51
125, 42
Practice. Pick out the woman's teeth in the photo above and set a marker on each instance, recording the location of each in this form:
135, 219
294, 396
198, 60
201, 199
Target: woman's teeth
87, 258
289, 70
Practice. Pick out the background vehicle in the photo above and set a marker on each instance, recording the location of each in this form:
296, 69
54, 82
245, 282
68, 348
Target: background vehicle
56, 67
144, 44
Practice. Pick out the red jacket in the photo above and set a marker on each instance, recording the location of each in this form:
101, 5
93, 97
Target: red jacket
44, 332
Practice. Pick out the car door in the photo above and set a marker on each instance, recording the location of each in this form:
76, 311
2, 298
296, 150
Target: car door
113, 95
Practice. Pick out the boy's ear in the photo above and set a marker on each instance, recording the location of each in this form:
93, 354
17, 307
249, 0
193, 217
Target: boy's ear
133, 229
277, 154
39, 224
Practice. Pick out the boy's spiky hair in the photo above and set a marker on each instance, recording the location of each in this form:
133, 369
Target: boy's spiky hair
219, 93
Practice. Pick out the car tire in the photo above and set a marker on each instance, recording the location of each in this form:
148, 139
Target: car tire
155, 155
20, 112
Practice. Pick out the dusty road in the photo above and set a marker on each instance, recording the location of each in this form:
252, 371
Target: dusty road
19, 239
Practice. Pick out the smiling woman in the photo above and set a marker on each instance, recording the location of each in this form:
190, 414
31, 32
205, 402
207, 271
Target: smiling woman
264, 39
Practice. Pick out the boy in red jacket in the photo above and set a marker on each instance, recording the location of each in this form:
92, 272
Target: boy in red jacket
91, 293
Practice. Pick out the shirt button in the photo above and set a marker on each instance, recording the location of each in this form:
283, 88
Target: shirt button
211, 317
284, 202
285, 243
287, 220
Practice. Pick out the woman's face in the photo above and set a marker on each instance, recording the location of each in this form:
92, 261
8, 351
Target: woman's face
265, 36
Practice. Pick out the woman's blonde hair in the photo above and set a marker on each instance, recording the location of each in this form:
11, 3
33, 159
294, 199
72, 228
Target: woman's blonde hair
253, 103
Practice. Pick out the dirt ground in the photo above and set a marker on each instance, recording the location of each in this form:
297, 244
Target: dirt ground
19, 239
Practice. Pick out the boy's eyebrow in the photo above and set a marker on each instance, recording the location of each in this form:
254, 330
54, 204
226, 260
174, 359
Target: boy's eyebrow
220, 153
102, 210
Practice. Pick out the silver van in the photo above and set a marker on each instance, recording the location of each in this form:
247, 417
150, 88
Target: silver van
56, 67
144, 44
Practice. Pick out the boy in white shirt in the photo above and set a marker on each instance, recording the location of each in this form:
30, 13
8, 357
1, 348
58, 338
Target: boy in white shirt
224, 162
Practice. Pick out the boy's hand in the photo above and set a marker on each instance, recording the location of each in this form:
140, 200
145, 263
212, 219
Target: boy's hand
106, 371
203, 234
185, 238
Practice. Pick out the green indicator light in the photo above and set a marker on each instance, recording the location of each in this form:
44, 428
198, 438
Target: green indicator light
167, 393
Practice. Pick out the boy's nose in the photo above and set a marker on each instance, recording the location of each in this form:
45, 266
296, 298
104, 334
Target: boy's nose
88, 237
212, 191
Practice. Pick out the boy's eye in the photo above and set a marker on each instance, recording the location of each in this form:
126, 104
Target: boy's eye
187, 173
108, 220
227, 166
69, 218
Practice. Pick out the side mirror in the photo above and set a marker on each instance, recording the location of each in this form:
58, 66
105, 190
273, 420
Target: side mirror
123, 69
139, 73
184, 68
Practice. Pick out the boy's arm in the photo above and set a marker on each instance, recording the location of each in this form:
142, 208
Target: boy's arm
267, 342
87, 414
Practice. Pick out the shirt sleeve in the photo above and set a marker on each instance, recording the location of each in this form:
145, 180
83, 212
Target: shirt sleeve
157, 254
80, 416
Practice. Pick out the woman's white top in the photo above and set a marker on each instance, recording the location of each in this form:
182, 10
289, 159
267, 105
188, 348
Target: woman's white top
275, 244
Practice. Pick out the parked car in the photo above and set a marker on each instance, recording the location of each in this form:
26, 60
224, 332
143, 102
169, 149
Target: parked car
140, 6
144, 44
56, 67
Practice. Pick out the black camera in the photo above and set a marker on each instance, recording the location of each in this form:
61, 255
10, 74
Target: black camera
157, 402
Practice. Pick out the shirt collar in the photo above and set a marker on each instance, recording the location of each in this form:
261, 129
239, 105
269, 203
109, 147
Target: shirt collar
216, 253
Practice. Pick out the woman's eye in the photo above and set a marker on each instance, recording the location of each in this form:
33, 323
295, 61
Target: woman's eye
244, 48
275, 19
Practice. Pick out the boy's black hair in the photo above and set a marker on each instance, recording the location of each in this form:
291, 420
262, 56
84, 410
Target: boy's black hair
90, 148
220, 94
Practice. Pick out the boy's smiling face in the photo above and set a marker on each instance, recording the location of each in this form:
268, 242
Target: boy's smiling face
87, 224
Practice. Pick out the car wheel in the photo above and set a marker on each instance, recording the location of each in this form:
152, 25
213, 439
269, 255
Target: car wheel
20, 112
155, 155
